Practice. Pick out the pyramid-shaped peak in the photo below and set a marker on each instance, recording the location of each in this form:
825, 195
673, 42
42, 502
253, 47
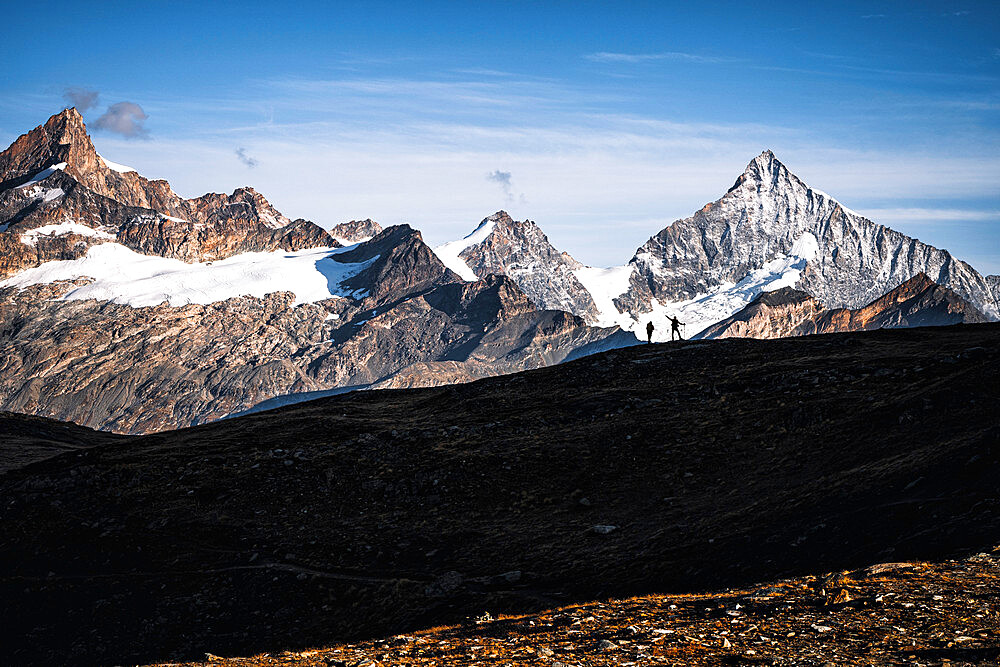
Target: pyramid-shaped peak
66, 128
767, 171
62, 138
917, 283
68, 116
765, 164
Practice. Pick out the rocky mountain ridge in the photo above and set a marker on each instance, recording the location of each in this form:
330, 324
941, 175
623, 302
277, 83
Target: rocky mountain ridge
521, 251
412, 322
918, 302
118, 335
54, 186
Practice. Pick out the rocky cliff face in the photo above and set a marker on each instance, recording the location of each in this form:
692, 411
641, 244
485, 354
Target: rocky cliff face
918, 302
994, 283
771, 315
763, 216
521, 251
54, 185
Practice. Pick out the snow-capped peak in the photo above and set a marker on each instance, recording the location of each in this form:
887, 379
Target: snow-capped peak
766, 171
764, 163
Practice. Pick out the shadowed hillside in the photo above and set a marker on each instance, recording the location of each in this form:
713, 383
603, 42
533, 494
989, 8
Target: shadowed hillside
661, 468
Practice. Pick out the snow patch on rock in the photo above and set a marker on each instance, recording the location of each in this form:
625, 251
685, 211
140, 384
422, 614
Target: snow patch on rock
30, 237
604, 285
43, 174
114, 166
348, 242
449, 252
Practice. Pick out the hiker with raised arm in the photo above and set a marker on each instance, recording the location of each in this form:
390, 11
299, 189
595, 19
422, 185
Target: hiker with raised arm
675, 328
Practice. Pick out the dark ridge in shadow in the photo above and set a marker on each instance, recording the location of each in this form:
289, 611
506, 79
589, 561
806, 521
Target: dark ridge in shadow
711, 465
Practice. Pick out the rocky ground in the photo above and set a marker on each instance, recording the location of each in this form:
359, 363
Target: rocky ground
652, 470
909, 613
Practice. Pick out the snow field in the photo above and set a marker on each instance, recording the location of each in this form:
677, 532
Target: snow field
127, 277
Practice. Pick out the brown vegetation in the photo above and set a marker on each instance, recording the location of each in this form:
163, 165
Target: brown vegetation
945, 613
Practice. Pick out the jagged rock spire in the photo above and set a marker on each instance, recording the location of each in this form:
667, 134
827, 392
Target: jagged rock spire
62, 138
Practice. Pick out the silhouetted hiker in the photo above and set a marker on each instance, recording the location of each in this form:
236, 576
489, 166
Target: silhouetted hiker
649, 332
675, 328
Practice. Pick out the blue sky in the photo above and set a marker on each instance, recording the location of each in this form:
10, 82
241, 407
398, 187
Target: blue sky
603, 122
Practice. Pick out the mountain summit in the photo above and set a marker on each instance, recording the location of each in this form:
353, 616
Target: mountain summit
520, 250
731, 250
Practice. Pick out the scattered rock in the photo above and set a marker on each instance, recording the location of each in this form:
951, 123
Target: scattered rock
603, 529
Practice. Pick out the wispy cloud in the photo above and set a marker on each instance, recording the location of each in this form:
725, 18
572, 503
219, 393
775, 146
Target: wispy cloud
503, 179
609, 57
929, 215
241, 155
81, 98
873, 16
483, 71
124, 118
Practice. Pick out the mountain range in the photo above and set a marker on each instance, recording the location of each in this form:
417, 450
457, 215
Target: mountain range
126, 307
770, 230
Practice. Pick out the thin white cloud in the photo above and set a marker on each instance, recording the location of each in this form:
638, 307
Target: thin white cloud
483, 71
609, 57
918, 215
